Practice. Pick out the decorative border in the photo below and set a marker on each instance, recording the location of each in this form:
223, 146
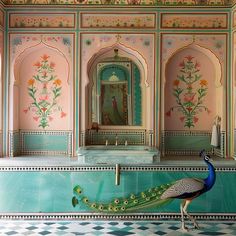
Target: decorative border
220, 152
183, 152
13, 149
99, 216
185, 20
42, 20
234, 19
132, 3
19, 168
97, 138
104, 20
186, 133
176, 133
68, 134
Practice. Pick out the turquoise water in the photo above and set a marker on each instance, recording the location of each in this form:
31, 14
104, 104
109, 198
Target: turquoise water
49, 191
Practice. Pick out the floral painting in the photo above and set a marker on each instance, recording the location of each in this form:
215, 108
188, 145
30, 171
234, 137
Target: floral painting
189, 90
44, 89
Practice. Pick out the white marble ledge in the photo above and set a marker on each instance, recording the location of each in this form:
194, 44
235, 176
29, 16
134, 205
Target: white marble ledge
26, 161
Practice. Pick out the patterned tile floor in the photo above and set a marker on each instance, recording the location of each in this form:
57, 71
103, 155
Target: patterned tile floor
115, 228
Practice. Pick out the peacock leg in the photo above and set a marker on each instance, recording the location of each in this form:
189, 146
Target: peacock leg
183, 227
187, 202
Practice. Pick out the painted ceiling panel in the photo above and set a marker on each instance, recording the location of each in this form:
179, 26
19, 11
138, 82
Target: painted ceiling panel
177, 3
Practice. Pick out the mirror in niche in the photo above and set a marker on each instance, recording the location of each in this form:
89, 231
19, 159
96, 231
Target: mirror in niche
116, 93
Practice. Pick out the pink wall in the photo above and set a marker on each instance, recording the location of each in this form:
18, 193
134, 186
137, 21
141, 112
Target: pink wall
52, 93
202, 119
27, 53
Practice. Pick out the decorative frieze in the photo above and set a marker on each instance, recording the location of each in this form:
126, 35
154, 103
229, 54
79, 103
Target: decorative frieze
118, 20
42, 20
176, 3
100, 216
133, 137
194, 20
185, 142
14, 143
40, 143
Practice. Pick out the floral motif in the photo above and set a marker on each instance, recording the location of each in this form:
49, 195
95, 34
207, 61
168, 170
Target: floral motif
189, 90
44, 102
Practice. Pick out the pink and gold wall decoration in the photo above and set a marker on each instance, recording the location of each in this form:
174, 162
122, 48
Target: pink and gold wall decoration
189, 90
42, 20
176, 3
41, 84
140, 48
215, 43
194, 20
44, 101
121, 20
44, 88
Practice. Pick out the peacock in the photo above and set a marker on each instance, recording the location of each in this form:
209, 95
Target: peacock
185, 189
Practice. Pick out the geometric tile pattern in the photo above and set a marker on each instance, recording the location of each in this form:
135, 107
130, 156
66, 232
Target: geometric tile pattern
113, 228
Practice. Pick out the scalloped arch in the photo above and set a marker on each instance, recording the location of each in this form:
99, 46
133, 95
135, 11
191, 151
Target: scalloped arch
135, 56
207, 52
27, 51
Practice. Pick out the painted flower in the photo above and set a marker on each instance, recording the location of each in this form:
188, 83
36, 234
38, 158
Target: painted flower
44, 98
63, 114
181, 64
38, 64
45, 57
57, 82
203, 82
168, 42
45, 85
195, 119
44, 102
31, 82
176, 82
168, 113
36, 118
45, 74
182, 118
189, 58
189, 97
197, 65
52, 64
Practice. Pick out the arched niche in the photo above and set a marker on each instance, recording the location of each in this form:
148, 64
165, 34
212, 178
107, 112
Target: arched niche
126, 70
193, 89
192, 100
26, 90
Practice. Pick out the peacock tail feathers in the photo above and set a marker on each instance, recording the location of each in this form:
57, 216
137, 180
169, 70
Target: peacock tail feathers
145, 199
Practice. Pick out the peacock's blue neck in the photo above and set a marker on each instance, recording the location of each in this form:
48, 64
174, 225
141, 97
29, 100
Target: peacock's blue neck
210, 180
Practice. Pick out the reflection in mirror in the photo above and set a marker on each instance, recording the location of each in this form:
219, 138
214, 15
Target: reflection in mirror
116, 92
